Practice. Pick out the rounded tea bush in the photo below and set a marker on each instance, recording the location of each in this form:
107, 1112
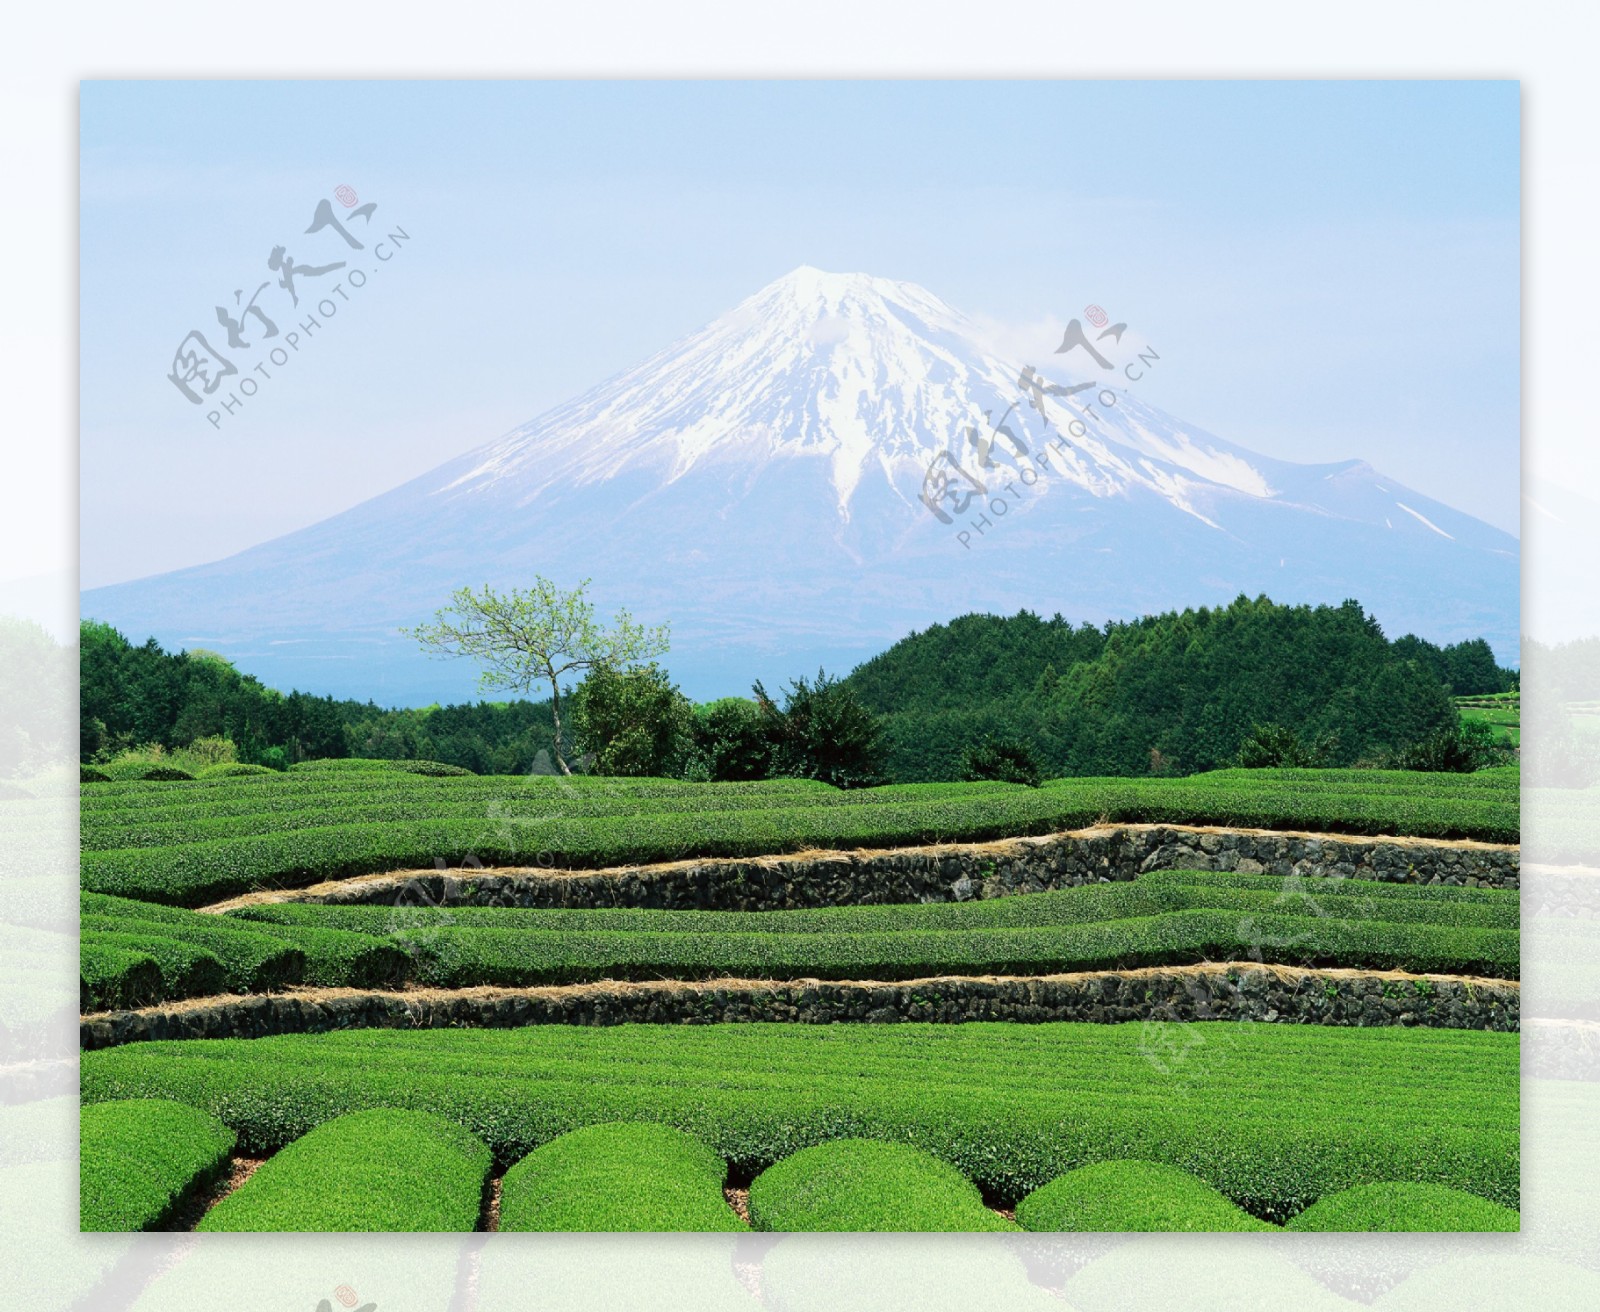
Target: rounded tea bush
381, 1170
138, 1160
1400, 1206
619, 1176
232, 770
864, 1184
1132, 1195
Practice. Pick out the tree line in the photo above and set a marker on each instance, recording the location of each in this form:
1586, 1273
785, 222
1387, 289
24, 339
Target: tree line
1018, 697
1175, 693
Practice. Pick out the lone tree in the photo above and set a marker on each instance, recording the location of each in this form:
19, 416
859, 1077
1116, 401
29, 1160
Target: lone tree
536, 635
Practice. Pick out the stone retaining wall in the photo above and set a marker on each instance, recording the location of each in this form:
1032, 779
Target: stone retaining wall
1243, 992
954, 872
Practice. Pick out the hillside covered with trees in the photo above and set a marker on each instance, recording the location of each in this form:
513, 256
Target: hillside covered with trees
142, 696
1172, 693
987, 696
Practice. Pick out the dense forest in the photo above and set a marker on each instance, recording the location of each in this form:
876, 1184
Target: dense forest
1170, 693
136, 696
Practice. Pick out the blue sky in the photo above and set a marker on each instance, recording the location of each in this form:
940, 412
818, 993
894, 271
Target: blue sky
1329, 270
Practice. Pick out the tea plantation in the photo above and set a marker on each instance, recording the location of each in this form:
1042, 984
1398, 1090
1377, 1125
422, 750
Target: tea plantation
1150, 1125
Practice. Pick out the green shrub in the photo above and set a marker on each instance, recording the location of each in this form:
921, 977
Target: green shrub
1272, 1116
380, 1170
187, 970
253, 961
632, 721
824, 731
1275, 746
1461, 748
1131, 1195
865, 1185
730, 741
1009, 762
356, 764
114, 978
231, 770
157, 764
139, 1161
88, 774
616, 1177
1399, 1206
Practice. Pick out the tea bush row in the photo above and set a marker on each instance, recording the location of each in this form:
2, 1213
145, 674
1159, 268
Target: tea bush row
194, 954
193, 873
859, 1185
1273, 1117
1128, 1196
466, 957
626, 1176
138, 1161
1152, 893
378, 1170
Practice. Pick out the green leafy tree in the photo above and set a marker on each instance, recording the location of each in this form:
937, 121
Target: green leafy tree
823, 732
632, 722
1467, 747
730, 741
1270, 746
1468, 667
537, 635
1007, 761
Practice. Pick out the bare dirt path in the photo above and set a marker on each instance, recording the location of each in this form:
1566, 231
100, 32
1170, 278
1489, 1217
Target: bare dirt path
194, 1210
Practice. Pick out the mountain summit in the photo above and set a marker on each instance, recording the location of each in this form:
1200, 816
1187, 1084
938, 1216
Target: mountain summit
835, 461
860, 373
871, 377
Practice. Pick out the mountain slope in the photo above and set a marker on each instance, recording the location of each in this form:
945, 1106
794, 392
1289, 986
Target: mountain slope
760, 484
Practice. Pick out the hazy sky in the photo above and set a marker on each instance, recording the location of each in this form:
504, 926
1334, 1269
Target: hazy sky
1329, 270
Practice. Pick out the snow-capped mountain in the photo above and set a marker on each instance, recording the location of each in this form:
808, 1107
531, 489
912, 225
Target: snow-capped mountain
835, 461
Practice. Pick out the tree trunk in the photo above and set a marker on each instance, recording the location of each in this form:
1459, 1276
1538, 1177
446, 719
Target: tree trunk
555, 715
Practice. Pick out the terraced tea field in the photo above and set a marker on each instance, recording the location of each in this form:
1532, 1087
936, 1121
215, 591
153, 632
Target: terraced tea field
1394, 939
133, 953
1502, 712
190, 843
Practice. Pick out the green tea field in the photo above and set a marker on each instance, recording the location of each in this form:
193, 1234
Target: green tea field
1227, 1001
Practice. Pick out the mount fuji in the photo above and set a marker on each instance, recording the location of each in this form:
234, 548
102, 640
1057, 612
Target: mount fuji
764, 484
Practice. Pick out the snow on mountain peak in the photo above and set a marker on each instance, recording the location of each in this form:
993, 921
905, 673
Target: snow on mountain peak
846, 367
758, 484
869, 378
